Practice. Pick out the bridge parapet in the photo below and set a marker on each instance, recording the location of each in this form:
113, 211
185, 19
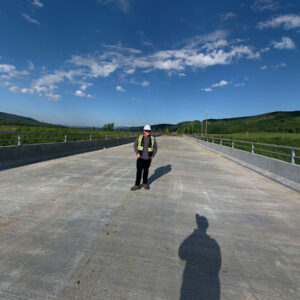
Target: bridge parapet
278, 170
13, 156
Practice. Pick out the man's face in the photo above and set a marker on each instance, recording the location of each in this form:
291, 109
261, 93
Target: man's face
147, 132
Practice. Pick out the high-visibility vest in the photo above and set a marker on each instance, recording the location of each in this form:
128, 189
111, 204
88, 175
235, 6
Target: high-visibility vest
141, 143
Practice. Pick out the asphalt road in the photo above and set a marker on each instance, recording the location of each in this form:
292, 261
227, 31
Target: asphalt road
208, 228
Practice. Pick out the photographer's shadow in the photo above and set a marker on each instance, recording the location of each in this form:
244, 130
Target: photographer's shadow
202, 254
159, 172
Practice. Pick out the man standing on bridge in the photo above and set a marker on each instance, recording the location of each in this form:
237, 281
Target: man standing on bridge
145, 148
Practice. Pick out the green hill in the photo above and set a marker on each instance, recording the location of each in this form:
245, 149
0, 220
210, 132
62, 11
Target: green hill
15, 120
285, 122
158, 127
288, 122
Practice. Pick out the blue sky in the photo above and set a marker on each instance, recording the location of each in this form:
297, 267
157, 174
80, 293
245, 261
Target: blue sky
131, 62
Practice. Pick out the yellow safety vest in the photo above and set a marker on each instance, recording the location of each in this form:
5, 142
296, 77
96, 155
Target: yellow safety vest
141, 143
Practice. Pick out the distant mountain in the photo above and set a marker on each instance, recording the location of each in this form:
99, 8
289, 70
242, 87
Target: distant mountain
11, 119
271, 122
158, 127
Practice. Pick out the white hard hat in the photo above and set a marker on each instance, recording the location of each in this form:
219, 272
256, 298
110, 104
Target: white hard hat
147, 127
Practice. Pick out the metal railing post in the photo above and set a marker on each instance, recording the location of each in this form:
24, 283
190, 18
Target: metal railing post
117, 136
106, 136
90, 137
66, 137
19, 139
293, 156
221, 142
252, 148
213, 140
232, 144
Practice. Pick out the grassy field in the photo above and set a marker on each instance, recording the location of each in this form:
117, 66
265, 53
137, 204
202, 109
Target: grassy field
73, 134
284, 139
287, 139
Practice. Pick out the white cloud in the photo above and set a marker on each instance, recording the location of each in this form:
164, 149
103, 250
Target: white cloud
4, 68
79, 93
282, 65
215, 45
180, 59
11, 71
37, 3
229, 15
207, 89
221, 83
274, 67
97, 68
30, 65
130, 71
200, 52
27, 91
29, 19
290, 21
261, 5
206, 38
120, 89
5, 77
14, 89
47, 84
120, 47
50, 80
141, 83
52, 96
266, 49
6, 83
84, 86
284, 43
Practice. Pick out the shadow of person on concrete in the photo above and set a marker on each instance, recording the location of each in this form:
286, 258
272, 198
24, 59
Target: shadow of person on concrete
200, 280
159, 172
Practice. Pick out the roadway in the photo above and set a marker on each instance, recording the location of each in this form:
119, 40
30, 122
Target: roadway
208, 228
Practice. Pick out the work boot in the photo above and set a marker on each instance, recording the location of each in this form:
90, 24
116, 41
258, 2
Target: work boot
146, 186
135, 187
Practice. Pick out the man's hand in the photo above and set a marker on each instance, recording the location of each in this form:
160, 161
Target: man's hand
138, 155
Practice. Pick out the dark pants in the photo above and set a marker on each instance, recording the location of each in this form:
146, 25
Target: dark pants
142, 164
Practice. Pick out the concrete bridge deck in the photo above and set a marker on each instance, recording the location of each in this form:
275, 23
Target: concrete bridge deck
71, 229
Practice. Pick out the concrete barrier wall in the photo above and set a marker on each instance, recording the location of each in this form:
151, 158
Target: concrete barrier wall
13, 156
283, 172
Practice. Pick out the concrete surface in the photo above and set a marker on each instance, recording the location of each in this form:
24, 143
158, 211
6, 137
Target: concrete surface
13, 156
280, 171
71, 229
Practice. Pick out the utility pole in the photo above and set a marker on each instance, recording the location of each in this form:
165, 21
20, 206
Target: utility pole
206, 125
201, 128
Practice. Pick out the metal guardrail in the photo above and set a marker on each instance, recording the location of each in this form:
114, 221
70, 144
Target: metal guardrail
288, 152
20, 138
